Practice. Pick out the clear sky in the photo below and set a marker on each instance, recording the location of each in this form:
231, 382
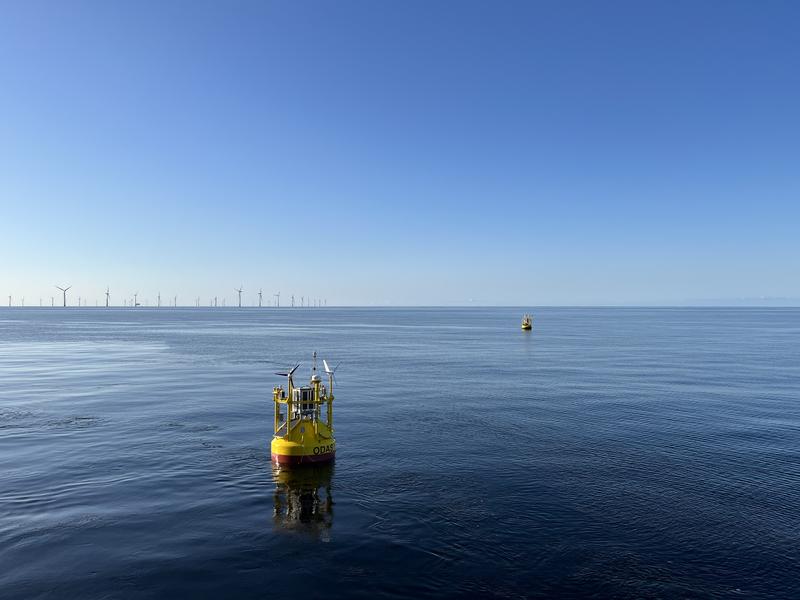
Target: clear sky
377, 152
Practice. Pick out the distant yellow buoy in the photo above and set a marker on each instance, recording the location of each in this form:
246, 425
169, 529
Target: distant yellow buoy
527, 322
301, 434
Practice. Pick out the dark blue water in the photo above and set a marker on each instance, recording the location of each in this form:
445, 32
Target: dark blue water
628, 453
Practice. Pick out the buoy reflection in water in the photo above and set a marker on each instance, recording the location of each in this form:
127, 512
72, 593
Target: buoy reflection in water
303, 500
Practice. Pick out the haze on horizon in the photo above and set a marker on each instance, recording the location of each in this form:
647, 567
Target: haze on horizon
414, 153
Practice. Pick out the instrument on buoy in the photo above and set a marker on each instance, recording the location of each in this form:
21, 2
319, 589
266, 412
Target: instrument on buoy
302, 435
527, 322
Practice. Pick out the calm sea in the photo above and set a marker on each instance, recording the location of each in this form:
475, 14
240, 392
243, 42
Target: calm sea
626, 453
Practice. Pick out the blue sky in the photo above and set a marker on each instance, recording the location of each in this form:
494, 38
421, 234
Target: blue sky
373, 152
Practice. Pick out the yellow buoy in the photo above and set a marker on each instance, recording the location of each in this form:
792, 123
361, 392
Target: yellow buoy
527, 322
303, 430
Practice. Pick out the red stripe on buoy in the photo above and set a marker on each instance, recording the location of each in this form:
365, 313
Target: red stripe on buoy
302, 459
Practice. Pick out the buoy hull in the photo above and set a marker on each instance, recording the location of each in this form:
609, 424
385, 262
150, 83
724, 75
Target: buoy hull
301, 448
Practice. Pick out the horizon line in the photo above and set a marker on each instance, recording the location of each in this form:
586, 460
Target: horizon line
377, 306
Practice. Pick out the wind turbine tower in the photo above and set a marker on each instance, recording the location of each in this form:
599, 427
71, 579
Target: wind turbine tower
135, 299
259, 298
278, 296
292, 300
159, 299
64, 291
240, 295
108, 294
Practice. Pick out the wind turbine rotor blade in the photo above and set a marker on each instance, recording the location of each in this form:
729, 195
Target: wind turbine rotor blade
327, 368
290, 373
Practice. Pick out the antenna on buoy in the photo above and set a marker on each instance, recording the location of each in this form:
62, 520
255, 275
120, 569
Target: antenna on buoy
314, 377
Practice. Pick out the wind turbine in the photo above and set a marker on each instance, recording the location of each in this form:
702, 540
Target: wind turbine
176, 302
52, 301
240, 295
288, 375
64, 291
159, 299
135, 299
330, 372
108, 294
259, 298
278, 296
